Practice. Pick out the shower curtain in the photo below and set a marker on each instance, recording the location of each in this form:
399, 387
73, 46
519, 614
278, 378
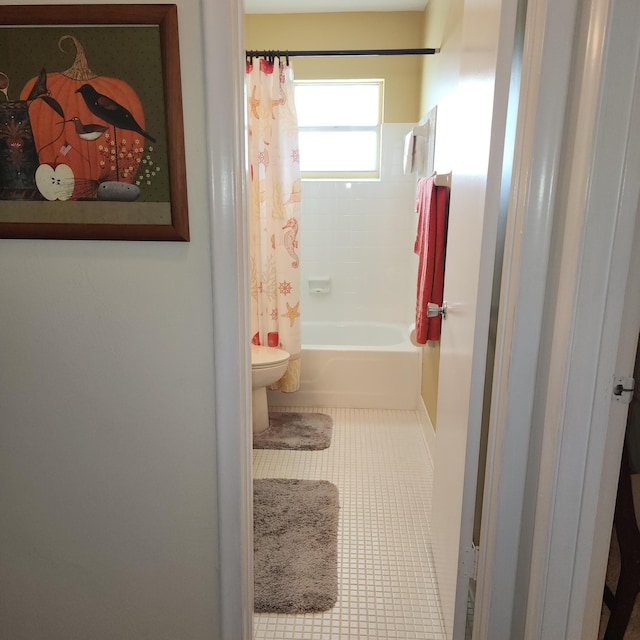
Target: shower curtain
274, 212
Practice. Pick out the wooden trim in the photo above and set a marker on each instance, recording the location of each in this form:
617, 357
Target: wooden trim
166, 17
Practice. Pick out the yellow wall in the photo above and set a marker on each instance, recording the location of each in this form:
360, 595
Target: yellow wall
429, 385
442, 28
371, 30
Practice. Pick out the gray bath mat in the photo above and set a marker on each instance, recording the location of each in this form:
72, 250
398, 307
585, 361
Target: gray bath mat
305, 431
295, 548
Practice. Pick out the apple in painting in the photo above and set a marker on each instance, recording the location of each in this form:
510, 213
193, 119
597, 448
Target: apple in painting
55, 183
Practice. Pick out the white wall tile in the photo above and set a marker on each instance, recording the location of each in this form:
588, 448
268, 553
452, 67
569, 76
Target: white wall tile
362, 237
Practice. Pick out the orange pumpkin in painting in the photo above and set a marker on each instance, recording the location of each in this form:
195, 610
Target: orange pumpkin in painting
106, 154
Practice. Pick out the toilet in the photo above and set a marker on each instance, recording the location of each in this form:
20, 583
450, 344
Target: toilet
268, 365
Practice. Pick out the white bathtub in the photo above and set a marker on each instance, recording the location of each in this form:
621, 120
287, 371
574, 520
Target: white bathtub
357, 365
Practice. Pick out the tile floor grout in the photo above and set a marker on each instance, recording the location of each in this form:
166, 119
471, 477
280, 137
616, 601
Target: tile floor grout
387, 587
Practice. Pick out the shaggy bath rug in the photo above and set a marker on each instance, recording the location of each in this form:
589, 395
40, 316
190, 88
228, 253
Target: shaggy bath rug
304, 431
295, 549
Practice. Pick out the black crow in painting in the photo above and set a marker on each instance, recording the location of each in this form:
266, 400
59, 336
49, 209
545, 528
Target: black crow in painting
110, 111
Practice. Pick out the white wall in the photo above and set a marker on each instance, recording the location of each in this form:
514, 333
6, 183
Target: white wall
107, 434
361, 235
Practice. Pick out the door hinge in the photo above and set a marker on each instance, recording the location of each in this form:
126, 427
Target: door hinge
470, 562
623, 389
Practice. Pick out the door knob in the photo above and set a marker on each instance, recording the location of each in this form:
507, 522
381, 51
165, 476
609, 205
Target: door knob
434, 310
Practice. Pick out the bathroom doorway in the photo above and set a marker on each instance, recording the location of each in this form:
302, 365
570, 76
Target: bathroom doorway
555, 607
451, 445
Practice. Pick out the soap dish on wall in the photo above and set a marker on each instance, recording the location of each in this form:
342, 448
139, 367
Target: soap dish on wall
320, 284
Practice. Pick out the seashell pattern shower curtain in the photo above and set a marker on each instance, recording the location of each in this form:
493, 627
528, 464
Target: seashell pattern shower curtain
274, 212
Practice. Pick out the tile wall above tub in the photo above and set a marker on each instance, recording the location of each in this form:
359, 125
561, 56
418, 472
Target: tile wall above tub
361, 234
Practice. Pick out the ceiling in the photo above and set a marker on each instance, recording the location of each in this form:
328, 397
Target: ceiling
330, 6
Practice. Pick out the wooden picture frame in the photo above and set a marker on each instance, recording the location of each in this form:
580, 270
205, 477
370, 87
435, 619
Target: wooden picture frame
91, 127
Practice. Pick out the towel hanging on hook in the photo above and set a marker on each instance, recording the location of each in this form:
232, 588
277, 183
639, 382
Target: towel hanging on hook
432, 205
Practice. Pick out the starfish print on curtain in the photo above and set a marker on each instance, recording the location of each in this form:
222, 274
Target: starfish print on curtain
274, 212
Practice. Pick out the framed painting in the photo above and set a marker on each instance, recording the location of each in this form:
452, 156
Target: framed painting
91, 129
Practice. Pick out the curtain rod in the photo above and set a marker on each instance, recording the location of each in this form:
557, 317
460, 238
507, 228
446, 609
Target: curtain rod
340, 52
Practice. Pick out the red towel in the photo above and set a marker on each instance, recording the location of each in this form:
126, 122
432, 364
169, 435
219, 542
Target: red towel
432, 205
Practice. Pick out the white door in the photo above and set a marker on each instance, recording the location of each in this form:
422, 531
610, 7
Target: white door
480, 116
543, 552
580, 458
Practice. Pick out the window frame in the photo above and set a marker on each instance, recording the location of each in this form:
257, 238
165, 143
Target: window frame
351, 175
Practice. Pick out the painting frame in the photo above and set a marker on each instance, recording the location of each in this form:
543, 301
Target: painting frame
173, 225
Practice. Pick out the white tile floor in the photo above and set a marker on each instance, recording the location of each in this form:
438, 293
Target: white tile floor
379, 461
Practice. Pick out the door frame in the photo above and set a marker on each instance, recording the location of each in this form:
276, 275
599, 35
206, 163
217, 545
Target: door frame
552, 469
224, 140
529, 321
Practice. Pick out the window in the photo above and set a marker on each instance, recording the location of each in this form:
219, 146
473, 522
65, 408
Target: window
339, 124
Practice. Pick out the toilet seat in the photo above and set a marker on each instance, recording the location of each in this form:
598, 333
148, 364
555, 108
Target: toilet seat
262, 357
